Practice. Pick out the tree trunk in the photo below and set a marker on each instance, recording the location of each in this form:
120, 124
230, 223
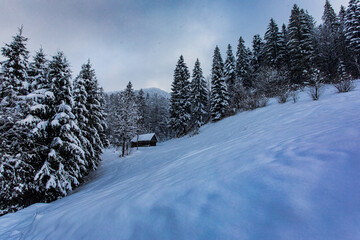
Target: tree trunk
123, 147
137, 141
357, 64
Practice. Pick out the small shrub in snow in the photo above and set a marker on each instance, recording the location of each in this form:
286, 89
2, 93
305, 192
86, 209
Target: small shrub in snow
254, 100
344, 82
283, 97
345, 86
316, 84
294, 96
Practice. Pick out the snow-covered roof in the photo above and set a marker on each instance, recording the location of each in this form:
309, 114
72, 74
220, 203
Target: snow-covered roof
143, 137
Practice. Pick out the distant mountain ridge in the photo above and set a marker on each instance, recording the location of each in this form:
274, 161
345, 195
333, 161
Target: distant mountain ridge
150, 91
153, 91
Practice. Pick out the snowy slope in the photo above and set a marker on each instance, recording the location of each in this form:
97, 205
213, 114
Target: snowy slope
288, 171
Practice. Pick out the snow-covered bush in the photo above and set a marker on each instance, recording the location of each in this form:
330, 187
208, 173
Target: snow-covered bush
316, 84
344, 82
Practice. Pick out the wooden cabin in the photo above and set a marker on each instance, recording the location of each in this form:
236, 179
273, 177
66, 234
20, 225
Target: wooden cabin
144, 140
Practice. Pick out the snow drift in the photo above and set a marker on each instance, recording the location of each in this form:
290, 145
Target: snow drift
289, 171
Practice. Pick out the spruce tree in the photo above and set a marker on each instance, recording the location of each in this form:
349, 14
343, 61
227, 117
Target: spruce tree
199, 98
142, 108
300, 45
96, 127
14, 69
39, 110
82, 115
272, 46
129, 116
38, 70
283, 56
65, 160
257, 53
352, 31
243, 59
16, 147
230, 78
219, 98
327, 36
342, 45
179, 102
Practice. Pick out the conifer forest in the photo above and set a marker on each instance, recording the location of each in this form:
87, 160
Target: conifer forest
55, 124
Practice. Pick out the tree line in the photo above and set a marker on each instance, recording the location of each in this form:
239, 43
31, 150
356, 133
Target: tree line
52, 129
300, 54
130, 114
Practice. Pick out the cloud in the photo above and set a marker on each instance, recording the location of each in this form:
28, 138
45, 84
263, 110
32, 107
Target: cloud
141, 40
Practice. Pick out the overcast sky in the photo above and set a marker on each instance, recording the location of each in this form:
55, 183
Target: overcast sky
141, 40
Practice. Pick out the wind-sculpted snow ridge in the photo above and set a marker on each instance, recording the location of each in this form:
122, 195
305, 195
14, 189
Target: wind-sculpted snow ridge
286, 171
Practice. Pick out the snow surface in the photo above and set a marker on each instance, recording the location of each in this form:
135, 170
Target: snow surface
143, 137
286, 171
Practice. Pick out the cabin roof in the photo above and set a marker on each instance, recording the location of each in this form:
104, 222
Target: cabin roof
144, 137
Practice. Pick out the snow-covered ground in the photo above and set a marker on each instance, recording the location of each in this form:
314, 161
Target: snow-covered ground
286, 171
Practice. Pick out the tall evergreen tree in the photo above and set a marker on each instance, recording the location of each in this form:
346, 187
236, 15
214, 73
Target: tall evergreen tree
180, 103
272, 46
257, 53
90, 115
230, 78
39, 110
327, 36
14, 69
219, 96
38, 70
16, 170
129, 116
343, 52
199, 98
352, 31
65, 160
329, 17
143, 114
243, 59
283, 56
300, 45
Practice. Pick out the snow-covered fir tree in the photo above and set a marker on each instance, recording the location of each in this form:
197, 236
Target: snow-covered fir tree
344, 83
16, 148
180, 99
65, 160
14, 69
352, 31
327, 41
90, 115
272, 46
42, 154
199, 98
128, 116
257, 59
219, 97
38, 70
343, 52
300, 45
142, 108
243, 59
283, 56
230, 78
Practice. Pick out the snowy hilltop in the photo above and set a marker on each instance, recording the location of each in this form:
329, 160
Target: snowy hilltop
151, 91
159, 92
286, 171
